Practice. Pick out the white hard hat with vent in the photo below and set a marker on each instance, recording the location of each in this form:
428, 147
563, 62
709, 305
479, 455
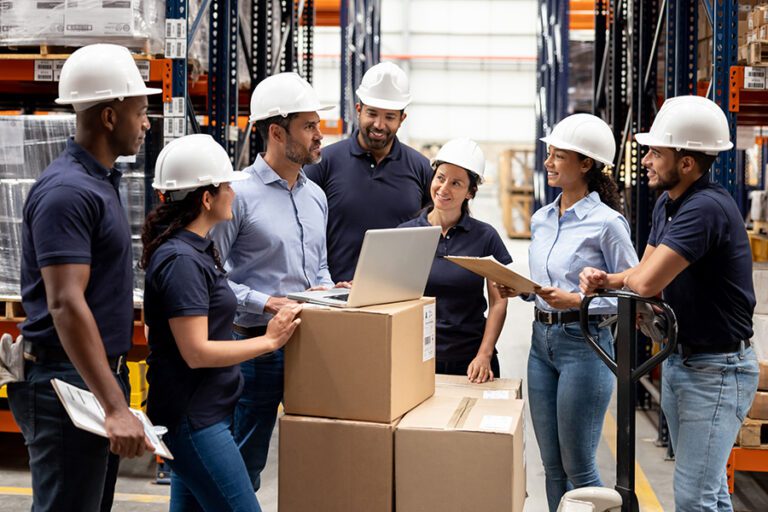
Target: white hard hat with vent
190, 162
689, 122
464, 153
98, 73
283, 94
585, 134
385, 86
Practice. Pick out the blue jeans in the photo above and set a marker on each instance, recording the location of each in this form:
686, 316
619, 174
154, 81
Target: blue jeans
256, 411
569, 389
72, 470
705, 398
207, 472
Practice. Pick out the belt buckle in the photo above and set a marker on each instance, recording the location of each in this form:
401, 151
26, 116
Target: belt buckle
550, 317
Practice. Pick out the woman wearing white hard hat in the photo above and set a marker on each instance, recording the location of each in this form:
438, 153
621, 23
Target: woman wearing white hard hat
569, 387
466, 340
189, 308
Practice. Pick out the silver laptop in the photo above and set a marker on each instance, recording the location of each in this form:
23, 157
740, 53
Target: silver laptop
393, 266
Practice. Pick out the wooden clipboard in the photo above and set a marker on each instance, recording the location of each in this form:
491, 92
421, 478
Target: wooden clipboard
494, 271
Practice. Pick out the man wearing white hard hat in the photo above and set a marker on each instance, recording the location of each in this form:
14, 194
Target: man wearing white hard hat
77, 287
698, 256
372, 180
274, 245
466, 340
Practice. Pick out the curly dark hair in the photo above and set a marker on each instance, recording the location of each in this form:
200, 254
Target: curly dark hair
168, 218
601, 182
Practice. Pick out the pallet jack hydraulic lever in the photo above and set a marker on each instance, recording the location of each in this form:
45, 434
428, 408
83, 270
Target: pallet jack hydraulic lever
656, 319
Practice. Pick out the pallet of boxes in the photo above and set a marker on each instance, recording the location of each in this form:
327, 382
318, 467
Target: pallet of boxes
753, 33
516, 190
754, 431
367, 428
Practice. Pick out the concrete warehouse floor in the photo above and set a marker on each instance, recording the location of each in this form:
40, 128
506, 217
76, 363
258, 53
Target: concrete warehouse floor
138, 492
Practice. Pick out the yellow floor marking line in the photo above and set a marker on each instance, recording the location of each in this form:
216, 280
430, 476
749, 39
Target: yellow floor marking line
645, 496
119, 496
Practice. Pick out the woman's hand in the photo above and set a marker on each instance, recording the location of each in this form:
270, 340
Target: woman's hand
479, 370
282, 325
559, 299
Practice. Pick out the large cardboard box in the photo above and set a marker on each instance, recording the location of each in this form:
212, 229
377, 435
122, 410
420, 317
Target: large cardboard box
369, 364
762, 384
760, 282
335, 465
455, 454
759, 409
497, 389
760, 337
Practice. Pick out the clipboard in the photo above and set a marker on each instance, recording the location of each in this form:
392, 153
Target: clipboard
86, 413
491, 269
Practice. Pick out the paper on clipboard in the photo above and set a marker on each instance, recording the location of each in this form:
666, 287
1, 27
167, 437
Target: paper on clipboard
494, 271
86, 413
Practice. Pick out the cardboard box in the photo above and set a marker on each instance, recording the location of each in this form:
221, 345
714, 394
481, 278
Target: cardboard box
762, 384
335, 465
369, 364
455, 454
760, 337
759, 409
760, 273
459, 386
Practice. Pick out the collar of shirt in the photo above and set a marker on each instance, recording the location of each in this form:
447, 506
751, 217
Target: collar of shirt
465, 222
268, 175
671, 206
91, 165
357, 150
580, 209
196, 241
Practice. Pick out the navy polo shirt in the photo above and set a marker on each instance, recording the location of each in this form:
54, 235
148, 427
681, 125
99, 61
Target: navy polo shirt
460, 295
363, 195
73, 215
713, 297
182, 280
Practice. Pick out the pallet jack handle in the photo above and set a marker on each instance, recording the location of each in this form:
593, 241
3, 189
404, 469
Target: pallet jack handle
670, 323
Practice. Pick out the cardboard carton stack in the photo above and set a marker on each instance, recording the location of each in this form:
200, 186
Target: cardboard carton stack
754, 432
351, 378
753, 39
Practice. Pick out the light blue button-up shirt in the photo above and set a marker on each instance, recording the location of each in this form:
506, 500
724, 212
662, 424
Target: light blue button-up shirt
275, 242
589, 234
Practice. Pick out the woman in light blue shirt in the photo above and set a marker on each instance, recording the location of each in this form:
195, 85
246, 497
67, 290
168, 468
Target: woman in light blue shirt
569, 387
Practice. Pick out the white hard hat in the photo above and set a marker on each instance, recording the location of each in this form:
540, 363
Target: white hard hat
462, 152
100, 72
385, 86
283, 94
190, 162
585, 134
689, 122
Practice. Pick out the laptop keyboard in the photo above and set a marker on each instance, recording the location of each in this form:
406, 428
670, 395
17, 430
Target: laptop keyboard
343, 297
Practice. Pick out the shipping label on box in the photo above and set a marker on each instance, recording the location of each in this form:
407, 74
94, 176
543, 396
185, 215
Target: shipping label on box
335, 465
752, 36
763, 33
450, 451
754, 77
99, 17
430, 319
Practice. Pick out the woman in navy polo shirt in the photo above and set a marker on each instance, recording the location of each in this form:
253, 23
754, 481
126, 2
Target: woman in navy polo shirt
466, 340
195, 381
569, 387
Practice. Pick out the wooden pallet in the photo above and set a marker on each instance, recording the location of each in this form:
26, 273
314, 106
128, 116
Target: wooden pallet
46, 51
11, 310
754, 434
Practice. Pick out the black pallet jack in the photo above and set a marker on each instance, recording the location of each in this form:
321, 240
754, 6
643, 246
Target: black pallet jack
657, 320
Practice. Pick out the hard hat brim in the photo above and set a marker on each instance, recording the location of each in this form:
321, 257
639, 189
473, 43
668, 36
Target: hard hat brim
646, 139
147, 91
553, 141
260, 117
384, 104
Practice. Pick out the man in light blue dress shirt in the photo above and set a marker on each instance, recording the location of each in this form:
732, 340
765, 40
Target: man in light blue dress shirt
274, 244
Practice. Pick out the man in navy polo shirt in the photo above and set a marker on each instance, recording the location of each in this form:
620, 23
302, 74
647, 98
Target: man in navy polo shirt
77, 287
371, 179
698, 255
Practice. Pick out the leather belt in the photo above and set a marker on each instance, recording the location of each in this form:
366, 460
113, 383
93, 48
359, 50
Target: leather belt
688, 350
562, 317
250, 332
42, 354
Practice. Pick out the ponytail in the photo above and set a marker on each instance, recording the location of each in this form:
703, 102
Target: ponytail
601, 182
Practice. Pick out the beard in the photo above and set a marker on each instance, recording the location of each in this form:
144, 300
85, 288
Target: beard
298, 154
666, 183
374, 143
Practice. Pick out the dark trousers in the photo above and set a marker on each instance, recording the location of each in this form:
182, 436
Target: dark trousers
460, 367
72, 470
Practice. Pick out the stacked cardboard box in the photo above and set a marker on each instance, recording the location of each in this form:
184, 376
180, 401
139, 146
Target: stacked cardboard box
759, 410
350, 376
754, 41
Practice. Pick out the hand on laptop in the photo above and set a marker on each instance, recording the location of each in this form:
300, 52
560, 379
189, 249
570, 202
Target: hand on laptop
343, 284
317, 289
275, 304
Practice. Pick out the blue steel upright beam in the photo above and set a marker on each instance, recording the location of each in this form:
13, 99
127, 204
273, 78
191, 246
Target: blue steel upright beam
682, 41
222, 74
726, 20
